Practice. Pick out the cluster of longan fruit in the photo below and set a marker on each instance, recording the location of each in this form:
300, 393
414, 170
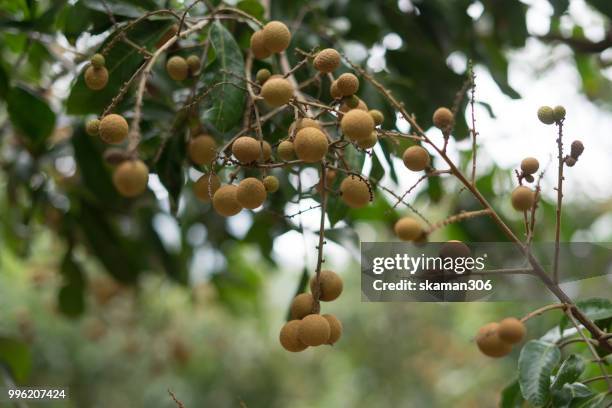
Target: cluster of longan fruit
496, 339
307, 327
179, 68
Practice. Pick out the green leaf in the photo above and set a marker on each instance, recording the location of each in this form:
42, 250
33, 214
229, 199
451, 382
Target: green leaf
594, 309
121, 62
17, 356
511, 396
4, 82
252, 7
570, 393
377, 172
570, 371
597, 401
336, 209
227, 99
169, 168
120, 8
31, 115
536, 364
71, 300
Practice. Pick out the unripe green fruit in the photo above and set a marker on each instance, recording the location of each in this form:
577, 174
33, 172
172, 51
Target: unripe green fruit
378, 116
416, 158
92, 127
96, 78
546, 115
285, 150
368, 142
443, 118
246, 149
271, 184
257, 46
263, 75
357, 124
522, 198
408, 229
530, 165
276, 36
130, 178
335, 328
194, 64
327, 60
302, 305
489, 342
511, 330
289, 337
314, 330
559, 113
277, 91
310, 145
98, 61
225, 201
355, 192
348, 84
206, 186
202, 150
177, 68
352, 101
113, 129
330, 284
251, 193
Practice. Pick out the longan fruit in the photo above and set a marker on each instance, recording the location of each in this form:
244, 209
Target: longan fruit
378, 116
355, 192
530, 165
443, 118
307, 122
194, 64
361, 105
408, 229
202, 149
334, 91
528, 178
177, 68
416, 158
576, 149
314, 330
277, 91
113, 129
489, 342
330, 177
455, 249
267, 150
368, 142
352, 102
559, 113
225, 201
251, 193
98, 61
276, 36
289, 338
285, 150
357, 124
271, 184
310, 145
92, 127
130, 178
327, 60
546, 115
262, 75
330, 284
348, 84
96, 78
206, 186
522, 198
246, 149
335, 328
511, 330
570, 161
257, 45
301, 305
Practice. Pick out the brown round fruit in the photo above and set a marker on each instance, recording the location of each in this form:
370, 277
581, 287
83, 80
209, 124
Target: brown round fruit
289, 338
443, 118
522, 198
285, 150
194, 64
277, 91
368, 142
327, 60
225, 201
130, 178
302, 305
335, 328
251, 193
246, 149
530, 165
348, 84
177, 68
416, 158
310, 145
206, 186
202, 150
489, 342
257, 45
355, 192
330, 284
334, 91
113, 129
276, 36
511, 330
357, 124
378, 116
96, 78
271, 184
314, 330
307, 122
408, 229
576, 149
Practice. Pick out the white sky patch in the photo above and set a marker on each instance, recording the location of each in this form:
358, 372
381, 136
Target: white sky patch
168, 230
160, 192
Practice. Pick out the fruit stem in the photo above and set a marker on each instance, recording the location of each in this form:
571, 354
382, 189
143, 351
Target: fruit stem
559, 202
317, 287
